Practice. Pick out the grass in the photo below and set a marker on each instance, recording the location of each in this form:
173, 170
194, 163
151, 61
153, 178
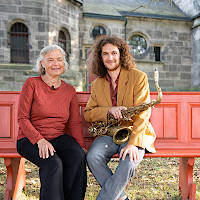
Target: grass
155, 179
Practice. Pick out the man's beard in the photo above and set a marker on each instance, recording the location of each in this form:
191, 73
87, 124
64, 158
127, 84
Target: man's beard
111, 70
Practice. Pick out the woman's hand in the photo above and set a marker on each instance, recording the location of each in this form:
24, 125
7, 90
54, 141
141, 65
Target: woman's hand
45, 148
85, 150
116, 111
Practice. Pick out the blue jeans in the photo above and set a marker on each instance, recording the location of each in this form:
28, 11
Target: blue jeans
112, 185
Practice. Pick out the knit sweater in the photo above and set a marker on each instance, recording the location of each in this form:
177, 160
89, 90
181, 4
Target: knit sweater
44, 112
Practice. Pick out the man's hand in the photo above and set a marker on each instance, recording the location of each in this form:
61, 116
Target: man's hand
131, 150
44, 148
116, 111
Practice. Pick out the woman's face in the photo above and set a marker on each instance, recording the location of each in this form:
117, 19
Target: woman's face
53, 63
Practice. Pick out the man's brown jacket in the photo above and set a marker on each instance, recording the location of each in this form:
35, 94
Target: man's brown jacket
133, 90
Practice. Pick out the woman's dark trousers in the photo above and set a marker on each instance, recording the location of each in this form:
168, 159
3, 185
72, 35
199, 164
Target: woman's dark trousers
62, 176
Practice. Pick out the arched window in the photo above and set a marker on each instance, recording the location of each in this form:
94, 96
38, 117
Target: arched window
138, 44
64, 41
98, 30
19, 43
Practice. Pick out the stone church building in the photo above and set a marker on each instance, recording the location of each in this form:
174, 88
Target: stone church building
163, 34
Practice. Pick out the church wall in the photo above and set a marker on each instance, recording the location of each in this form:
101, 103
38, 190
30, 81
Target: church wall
43, 19
179, 41
173, 37
33, 14
67, 16
192, 8
196, 53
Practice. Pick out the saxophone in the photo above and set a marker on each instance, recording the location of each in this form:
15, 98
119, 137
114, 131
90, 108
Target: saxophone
119, 129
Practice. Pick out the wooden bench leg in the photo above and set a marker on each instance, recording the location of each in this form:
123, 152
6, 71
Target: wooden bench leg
15, 177
9, 185
186, 185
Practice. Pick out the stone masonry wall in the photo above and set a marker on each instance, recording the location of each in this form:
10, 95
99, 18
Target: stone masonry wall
174, 38
34, 15
196, 53
179, 67
192, 9
13, 76
43, 19
67, 16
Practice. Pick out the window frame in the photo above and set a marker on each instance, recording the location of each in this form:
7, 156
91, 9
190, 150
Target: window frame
140, 55
155, 53
19, 53
96, 26
66, 43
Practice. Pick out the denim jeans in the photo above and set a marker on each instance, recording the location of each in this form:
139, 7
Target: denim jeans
112, 184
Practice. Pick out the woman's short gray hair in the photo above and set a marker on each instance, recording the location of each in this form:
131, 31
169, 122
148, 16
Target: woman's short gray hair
38, 67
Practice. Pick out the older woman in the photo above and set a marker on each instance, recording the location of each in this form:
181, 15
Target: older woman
46, 105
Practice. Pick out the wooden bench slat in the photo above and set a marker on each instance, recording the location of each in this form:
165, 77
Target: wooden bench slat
174, 153
10, 155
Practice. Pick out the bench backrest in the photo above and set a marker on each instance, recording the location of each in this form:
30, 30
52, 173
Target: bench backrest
175, 120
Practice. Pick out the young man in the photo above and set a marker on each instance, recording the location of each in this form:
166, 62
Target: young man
118, 86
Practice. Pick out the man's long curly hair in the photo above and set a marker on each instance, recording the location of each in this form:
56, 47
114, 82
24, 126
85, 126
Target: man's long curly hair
95, 62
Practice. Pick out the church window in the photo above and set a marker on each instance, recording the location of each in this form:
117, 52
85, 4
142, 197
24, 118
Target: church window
138, 45
64, 41
98, 30
157, 53
19, 43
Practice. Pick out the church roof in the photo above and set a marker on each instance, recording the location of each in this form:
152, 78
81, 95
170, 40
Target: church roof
196, 16
119, 9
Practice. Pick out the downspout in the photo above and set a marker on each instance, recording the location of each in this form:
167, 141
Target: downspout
48, 18
125, 25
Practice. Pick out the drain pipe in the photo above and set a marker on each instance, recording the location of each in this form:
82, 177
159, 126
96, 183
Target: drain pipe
125, 24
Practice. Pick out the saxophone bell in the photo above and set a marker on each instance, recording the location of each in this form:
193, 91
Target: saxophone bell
120, 134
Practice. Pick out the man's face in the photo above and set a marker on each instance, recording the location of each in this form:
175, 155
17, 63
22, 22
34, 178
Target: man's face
111, 57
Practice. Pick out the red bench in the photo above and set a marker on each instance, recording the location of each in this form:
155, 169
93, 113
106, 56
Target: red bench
175, 120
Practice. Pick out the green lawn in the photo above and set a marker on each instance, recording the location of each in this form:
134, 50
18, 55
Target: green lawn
155, 179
